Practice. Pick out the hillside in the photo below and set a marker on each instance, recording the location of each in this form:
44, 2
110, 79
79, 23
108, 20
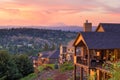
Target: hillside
30, 41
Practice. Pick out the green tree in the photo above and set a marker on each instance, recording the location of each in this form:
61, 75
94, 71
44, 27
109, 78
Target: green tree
46, 47
53, 47
8, 68
12, 71
4, 58
24, 64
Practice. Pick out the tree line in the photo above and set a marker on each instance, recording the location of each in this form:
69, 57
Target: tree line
14, 67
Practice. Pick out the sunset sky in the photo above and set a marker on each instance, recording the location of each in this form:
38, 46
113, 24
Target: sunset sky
58, 12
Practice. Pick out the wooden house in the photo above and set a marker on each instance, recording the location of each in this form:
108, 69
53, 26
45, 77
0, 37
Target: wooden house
67, 51
95, 49
54, 58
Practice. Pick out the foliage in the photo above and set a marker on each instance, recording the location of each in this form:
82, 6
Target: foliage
29, 77
66, 67
31, 41
12, 71
24, 64
14, 67
4, 58
46, 47
42, 67
8, 68
115, 71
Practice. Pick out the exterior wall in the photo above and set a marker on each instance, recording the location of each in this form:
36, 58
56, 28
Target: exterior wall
70, 50
53, 61
117, 53
61, 49
100, 29
65, 52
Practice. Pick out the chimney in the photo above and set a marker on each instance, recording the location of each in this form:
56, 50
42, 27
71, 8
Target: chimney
87, 26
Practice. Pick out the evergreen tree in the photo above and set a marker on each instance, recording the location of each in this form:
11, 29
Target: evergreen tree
8, 68
53, 47
46, 47
24, 64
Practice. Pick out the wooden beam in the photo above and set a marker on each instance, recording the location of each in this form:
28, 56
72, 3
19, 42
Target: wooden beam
82, 65
75, 72
75, 64
88, 62
81, 73
103, 70
98, 74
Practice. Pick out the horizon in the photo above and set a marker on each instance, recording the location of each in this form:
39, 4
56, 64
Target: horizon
58, 12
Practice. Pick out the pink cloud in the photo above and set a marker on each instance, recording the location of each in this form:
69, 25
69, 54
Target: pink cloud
44, 12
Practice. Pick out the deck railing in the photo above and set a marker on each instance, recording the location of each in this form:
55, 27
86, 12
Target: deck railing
101, 64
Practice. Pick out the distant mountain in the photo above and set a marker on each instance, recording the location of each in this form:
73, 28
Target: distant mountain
63, 28
66, 28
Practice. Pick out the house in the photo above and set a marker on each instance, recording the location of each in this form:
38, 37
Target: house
46, 57
95, 49
54, 58
67, 51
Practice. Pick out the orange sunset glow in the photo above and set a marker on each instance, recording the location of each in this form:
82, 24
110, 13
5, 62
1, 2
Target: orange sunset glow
53, 12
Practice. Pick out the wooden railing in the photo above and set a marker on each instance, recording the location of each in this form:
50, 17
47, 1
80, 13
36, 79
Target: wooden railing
102, 65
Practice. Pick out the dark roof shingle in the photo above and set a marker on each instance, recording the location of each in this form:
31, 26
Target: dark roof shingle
55, 55
110, 27
102, 40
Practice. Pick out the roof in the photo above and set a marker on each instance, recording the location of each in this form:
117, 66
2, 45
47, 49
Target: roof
55, 55
101, 40
46, 54
110, 27
34, 57
70, 44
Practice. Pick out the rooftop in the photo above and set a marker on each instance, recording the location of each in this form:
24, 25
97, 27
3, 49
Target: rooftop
102, 40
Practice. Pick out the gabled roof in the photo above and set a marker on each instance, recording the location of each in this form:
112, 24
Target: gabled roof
70, 44
101, 40
110, 27
76, 39
55, 55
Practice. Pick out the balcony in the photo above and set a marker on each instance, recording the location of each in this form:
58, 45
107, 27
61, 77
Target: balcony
81, 60
103, 65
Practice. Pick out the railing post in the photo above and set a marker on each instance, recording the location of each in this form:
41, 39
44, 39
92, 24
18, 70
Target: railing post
75, 64
88, 61
81, 73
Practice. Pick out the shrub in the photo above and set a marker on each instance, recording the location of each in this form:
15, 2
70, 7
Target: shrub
115, 71
66, 67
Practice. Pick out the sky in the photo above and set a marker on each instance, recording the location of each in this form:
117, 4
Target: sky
58, 12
